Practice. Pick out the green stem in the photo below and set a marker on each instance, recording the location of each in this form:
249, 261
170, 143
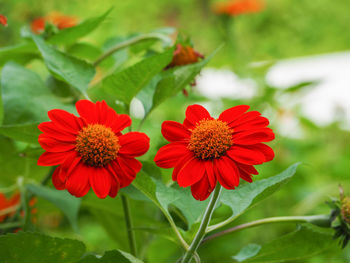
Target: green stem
130, 42
320, 220
129, 227
204, 224
10, 225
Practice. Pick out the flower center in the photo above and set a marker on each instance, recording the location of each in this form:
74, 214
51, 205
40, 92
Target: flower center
210, 139
97, 145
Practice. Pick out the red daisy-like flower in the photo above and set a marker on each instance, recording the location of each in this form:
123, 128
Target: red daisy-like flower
3, 20
239, 7
90, 150
184, 55
204, 150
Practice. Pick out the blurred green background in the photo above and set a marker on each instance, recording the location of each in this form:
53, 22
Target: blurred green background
286, 29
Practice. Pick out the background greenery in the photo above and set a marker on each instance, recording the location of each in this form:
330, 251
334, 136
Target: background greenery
287, 28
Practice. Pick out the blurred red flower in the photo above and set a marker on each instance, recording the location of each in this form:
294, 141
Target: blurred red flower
204, 150
13, 204
184, 55
57, 19
239, 7
3, 20
90, 150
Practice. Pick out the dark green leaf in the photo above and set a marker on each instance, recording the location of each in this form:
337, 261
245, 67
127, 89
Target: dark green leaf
25, 97
247, 195
62, 199
70, 35
74, 71
125, 84
112, 256
34, 247
306, 241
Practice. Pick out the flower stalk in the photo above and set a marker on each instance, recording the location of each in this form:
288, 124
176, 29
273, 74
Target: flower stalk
129, 225
320, 220
130, 42
204, 224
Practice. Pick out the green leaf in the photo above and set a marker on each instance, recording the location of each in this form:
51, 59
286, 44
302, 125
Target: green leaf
247, 252
21, 53
164, 196
176, 79
62, 199
24, 133
125, 84
112, 256
70, 35
25, 97
248, 195
39, 248
306, 241
74, 71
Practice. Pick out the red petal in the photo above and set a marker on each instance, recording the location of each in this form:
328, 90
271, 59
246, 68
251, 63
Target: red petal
114, 187
191, 172
265, 150
126, 170
50, 159
233, 113
245, 118
120, 123
69, 164
257, 123
245, 155
65, 120
87, 110
201, 190
100, 181
53, 145
54, 131
133, 144
77, 183
253, 137
168, 155
245, 176
209, 169
181, 163
195, 113
56, 181
174, 131
3, 20
247, 168
227, 172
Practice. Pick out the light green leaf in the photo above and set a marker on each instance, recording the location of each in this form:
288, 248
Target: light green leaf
62, 199
21, 53
125, 84
74, 71
25, 97
24, 132
247, 252
39, 248
176, 79
306, 241
248, 195
112, 256
70, 35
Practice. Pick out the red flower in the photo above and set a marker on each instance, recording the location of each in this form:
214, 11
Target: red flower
3, 20
184, 55
13, 204
204, 150
54, 18
90, 150
239, 7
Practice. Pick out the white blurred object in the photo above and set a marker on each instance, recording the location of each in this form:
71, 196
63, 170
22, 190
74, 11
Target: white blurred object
136, 109
330, 99
223, 83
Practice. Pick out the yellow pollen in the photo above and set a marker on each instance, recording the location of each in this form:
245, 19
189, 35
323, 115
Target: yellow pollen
210, 139
97, 145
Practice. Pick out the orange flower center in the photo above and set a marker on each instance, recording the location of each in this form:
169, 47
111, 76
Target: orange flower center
97, 145
210, 139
